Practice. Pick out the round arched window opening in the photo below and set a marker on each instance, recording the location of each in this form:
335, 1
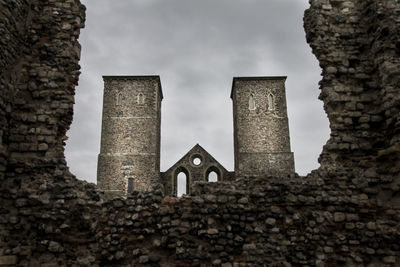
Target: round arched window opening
212, 177
140, 99
119, 99
271, 102
181, 184
252, 103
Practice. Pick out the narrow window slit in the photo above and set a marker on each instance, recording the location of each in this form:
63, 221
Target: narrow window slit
252, 104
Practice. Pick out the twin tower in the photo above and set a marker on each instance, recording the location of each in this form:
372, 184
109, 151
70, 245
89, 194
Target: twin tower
129, 156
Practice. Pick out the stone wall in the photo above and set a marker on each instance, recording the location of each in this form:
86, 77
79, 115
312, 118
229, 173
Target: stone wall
345, 213
38, 74
251, 222
357, 45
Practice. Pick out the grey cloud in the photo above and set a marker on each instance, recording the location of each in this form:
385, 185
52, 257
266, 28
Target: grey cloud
197, 47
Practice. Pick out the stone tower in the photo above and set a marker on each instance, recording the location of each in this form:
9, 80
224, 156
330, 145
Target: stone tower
261, 128
130, 137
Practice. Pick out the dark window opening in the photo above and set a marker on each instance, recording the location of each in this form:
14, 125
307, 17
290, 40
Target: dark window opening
130, 185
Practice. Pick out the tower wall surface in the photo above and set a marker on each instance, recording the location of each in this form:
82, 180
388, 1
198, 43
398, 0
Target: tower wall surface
261, 128
130, 137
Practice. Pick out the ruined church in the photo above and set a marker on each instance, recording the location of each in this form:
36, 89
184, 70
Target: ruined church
129, 156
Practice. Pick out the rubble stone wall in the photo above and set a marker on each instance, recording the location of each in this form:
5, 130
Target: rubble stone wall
11, 45
345, 213
252, 222
357, 45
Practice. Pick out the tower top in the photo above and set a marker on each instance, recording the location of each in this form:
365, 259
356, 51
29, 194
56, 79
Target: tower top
255, 78
136, 77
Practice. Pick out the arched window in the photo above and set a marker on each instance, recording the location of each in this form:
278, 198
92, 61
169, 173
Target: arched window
271, 102
140, 99
119, 99
213, 174
181, 184
212, 177
130, 185
252, 104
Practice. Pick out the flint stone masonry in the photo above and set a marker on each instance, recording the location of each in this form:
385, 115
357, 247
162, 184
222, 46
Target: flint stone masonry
130, 135
345, 213
194, 172
261, 128
357, 45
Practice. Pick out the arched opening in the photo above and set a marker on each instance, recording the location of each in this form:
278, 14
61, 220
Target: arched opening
181, 184
140, 99
271, 102
212, 177
213, 174
119, 99
252, 104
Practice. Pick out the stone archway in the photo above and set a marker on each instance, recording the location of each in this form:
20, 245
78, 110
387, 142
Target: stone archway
177, 172
216, 170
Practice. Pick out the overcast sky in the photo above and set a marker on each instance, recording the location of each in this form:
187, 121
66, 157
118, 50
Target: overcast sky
197, 47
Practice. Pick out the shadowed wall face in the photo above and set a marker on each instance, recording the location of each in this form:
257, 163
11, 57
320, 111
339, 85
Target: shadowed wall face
130, 140
357, 45
38, 73
261, 129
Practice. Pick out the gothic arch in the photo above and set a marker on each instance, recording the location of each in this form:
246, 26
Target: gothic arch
179, 170
140, 99
213, 169
271, 102
118, 99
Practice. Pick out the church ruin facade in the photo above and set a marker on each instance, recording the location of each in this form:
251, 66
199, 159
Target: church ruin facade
129, 156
